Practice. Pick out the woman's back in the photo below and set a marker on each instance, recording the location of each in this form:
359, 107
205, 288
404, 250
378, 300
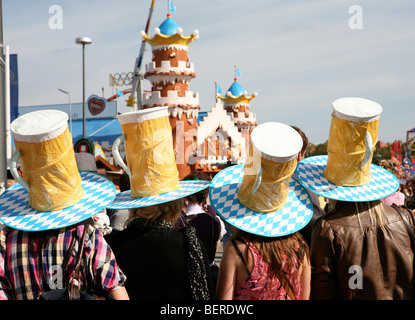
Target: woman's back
262, 284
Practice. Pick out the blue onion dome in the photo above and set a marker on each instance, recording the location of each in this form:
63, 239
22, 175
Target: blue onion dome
236, 89
169, 26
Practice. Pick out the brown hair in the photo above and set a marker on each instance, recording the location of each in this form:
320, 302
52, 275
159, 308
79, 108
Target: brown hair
199, 197
291, 249
304, 137
161, 210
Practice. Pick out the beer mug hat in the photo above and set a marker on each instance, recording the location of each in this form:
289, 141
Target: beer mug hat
152, 169
96, 190
349, 176
280, 143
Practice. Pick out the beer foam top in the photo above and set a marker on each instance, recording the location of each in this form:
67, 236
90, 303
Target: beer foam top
143, 115
39, 125
276, 141
357, 109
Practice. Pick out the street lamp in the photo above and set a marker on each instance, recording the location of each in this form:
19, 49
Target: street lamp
70, 109
83, 41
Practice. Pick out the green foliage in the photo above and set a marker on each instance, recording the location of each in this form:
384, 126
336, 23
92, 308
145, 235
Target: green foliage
320, 149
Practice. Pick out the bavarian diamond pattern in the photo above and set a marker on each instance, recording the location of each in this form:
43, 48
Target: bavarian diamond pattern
125, 201
224, 198
310, 174
16, 212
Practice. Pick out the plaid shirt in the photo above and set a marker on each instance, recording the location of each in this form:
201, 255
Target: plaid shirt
25, 274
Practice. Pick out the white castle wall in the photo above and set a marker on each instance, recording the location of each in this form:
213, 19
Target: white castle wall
218, 118
166, 67
190, 99
241, 117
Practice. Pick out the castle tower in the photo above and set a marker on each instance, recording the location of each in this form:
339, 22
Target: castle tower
170, 73
236, 103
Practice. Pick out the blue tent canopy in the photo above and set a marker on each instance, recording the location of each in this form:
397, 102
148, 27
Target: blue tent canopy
97, 130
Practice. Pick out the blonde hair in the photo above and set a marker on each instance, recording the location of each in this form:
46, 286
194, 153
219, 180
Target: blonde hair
375, 209
168, 211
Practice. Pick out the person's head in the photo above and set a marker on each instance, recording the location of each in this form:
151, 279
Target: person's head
302, 153
199, 197
168, 211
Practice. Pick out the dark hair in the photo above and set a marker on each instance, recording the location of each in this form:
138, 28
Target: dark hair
303, 136
199, 197
124, 183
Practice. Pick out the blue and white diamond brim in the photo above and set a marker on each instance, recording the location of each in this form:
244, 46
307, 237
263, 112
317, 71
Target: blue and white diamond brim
223, 195
310, 174
15, 211
124, 200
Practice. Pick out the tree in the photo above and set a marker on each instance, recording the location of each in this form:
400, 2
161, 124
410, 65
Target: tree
320, 149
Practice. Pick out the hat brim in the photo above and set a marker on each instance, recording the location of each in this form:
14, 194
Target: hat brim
295, 215
16, 213
310, 174
124, 200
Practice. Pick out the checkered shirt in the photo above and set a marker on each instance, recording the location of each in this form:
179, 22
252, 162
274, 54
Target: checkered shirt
26, 273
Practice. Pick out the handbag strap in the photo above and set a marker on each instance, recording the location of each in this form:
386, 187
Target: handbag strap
73, 286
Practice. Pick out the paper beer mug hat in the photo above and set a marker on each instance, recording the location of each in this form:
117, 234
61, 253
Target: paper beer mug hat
51, 193
261, 197
346, 173
151, 164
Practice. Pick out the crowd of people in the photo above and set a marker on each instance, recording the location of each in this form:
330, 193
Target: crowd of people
347, 241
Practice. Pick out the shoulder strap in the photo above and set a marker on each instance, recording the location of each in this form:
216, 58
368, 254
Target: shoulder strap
241, 256
66, 260
73, 290
288, 289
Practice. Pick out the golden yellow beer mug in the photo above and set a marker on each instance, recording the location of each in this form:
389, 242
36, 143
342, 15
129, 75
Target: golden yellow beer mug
148, 142
352, 138
45, 150
271, 161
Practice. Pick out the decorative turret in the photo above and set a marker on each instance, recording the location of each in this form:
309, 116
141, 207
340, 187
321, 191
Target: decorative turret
170, 73
236, 103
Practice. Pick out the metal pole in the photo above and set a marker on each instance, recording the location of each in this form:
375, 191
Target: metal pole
7, 101
136, 87
83, 90
70, 112
3, 148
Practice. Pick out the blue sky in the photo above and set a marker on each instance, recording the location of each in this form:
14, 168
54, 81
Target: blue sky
299, 56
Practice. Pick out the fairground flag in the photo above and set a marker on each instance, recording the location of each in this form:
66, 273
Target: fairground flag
171, 7
237, 72
218, 89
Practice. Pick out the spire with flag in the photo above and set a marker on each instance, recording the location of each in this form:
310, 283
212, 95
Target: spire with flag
237, 72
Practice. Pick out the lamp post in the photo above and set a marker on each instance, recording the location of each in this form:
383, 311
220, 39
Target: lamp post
70, 109
83, 41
